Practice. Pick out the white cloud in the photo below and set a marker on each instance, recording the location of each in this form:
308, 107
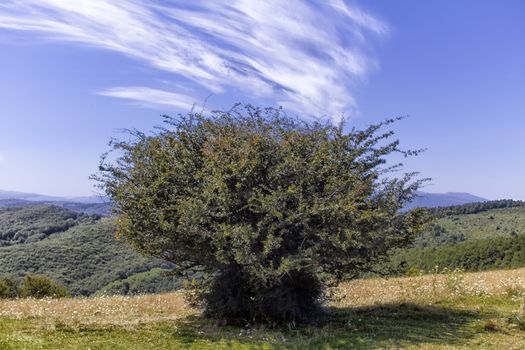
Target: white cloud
149, 96
307, 55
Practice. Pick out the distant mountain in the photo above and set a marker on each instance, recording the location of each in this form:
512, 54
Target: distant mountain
27, 196
102, 205
432, 200
14, 202
35, 197
88, 205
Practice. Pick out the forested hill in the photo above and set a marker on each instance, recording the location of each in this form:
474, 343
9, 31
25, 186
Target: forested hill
75, 249
85, 258
51, 240
31, 223
103, 209
474, 208
473, 237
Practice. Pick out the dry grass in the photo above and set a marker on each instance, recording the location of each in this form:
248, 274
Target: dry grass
121, 310
429, 288
116, 310
438, 311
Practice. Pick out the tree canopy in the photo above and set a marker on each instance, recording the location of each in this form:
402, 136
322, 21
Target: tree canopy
272, 208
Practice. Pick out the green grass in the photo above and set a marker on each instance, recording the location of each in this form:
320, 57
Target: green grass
378, 327
374, 318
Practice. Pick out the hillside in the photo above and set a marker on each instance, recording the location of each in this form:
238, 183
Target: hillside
156, 280
473, 255
103, 209
481, 239
49, 240
448, 311
77, 250
91, 205
21, 224
504, 222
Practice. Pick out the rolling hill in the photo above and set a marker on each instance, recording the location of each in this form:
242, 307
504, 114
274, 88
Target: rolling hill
102, 209
91, 205
472, 237
77, 250
31, 223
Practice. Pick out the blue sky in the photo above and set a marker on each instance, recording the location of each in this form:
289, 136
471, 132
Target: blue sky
72, 73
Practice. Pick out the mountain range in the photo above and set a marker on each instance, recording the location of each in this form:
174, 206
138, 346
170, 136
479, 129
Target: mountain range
423, 199
432, 200
35, 197
93, 205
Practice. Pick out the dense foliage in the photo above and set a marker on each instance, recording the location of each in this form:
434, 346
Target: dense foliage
156, 280
9, 288
271, 207
20, 224
474, 208
84, 258
474, 255
35, 286
31, 286
486, 239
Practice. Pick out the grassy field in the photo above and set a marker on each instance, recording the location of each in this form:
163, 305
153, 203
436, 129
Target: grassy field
448, 311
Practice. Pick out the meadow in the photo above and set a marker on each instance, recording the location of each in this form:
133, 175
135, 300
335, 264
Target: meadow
451, 310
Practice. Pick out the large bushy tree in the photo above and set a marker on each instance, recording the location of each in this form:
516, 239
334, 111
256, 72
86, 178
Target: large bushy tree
272, 208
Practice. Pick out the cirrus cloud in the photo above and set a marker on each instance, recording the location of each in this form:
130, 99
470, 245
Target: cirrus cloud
149, 96
308, 56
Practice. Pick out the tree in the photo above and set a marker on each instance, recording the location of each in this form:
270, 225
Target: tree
36, 286
272, 208
8, 288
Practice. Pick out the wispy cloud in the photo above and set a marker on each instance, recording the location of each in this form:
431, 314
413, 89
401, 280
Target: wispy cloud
148, 96
309, 56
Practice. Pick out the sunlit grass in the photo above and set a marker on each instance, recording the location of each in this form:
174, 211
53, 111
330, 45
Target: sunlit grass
437, 311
